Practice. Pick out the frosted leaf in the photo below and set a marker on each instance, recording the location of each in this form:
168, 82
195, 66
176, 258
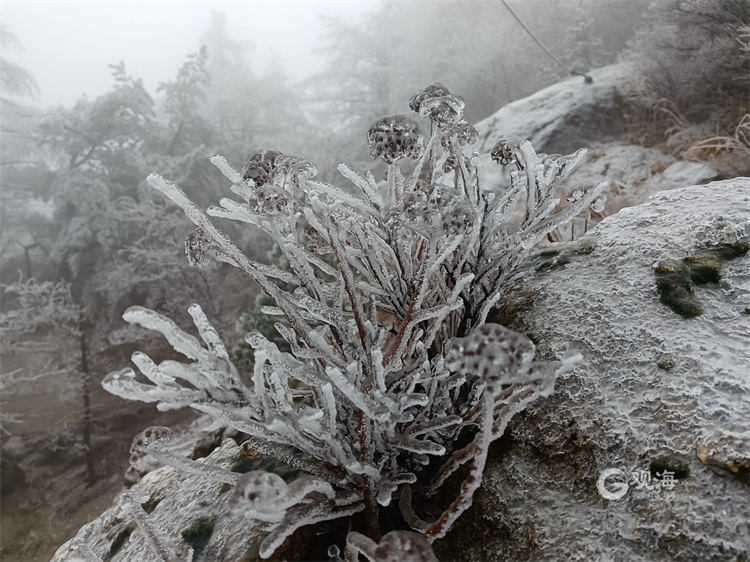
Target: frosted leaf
556, 168
423, 447
300, 516
159, 545
184, 343
366, 184
123, 383
229, 172
387, 486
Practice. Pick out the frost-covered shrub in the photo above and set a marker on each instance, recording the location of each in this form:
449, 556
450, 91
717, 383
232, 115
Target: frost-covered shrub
383, 307
691, 53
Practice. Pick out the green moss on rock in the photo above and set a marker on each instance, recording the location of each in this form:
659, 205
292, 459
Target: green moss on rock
666, 364
704, 268
120, 539
677, 466
150, 504
675, 279
198, 534
676, 289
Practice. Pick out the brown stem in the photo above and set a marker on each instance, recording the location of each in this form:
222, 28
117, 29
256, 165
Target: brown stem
407, 317
372, 524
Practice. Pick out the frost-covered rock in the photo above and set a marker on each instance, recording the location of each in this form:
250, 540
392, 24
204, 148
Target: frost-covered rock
564, 116
186, 511
573, 113
686, 173
656, 392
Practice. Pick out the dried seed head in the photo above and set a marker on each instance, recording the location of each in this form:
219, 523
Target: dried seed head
444, 111
294, 167
463, 133
259, 166
261, 491
493, 353
270, 200
502, 153
450, 164
404, 545
458, 219
139, 449
442, 209
394, 137
434, 90
199, 247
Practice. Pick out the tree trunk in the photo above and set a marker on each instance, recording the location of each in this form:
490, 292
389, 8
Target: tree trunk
86, 380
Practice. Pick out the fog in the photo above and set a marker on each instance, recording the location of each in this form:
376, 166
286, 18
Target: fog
66, 46
100, 99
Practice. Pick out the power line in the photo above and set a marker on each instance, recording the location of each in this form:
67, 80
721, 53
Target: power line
588, 78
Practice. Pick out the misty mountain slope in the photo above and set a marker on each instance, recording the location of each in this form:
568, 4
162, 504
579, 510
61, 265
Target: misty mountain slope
572, 114
564, 116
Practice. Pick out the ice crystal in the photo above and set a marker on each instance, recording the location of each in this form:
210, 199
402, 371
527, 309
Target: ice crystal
389, 355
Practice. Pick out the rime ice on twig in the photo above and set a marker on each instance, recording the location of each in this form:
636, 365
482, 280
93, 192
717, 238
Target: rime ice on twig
390, 358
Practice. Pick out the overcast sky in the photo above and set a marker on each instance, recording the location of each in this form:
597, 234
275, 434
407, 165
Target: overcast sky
67, 46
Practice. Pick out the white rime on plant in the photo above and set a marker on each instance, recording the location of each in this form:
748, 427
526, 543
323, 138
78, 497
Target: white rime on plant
383, 306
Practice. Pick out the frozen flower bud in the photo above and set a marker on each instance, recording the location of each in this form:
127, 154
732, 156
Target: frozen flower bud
502, 153
598, 204
295, 167
394, 137
444, 111
450, 164
199, 247
457, 219
434, 90
261, 491
493, 353
259, 166
404, 545
463, 133
269, 200
142, 443
395, 546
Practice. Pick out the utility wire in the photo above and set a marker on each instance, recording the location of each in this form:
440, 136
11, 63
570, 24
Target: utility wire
587, 77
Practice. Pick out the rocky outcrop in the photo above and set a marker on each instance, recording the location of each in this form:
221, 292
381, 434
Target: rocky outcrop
186, 510
572, 114
657, 392
565, 116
